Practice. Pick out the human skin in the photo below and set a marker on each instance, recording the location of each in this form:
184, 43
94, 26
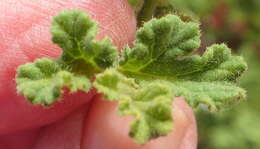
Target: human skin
77, 121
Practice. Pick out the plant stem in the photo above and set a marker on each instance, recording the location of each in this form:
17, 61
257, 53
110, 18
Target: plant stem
147, 11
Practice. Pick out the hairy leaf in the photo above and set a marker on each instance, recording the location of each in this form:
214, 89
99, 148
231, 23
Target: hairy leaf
162, 52
150, 104
42, 81
159, 67
74, 32
159, 39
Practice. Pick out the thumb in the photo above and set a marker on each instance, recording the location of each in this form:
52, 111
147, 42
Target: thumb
105, 129
24, 36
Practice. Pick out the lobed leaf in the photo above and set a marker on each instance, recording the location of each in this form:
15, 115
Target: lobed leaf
147, 77
150, 104
215, 95
74, 32
162, 51
168, 36
42, 81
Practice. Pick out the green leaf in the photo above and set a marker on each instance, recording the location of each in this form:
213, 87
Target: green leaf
159, 67
162, 51
216, 95
159, 39
150, 104
74, 32
42, 82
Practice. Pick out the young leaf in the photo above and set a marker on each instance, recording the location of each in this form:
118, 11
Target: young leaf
159, 67
150, 104
158, 39
74, 32
161, 52
42, 81
216, 95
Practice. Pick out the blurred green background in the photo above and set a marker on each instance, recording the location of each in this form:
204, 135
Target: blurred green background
236, 23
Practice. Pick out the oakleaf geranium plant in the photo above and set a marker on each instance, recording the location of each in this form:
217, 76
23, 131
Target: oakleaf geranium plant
144, 78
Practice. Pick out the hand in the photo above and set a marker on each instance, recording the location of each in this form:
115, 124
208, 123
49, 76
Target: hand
80, 120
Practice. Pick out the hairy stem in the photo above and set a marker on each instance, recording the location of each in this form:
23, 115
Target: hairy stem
147, 11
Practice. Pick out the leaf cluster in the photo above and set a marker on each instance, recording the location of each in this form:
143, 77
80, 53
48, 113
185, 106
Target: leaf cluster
145, 79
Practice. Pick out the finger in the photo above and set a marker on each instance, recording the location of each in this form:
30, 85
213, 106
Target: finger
69, 133
64, 134
190, 139
184, 135
24, 36
21, 140
105, 129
